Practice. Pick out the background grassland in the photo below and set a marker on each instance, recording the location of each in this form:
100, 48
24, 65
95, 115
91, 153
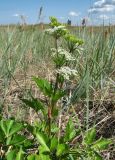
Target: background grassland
25, 46
25, 51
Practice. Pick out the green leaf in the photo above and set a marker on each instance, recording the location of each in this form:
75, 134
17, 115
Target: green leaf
54, 128
20, 154
44, 86
42, 140
70, 131
28, 143
61, 148
6, 126
11, 155
59, 94
16, 127
7, 141
90, 136
34, 103
102, 144
10, 127
43, 151
54, 143
14, 155
17, 139
55, 112
33, 157
1, 136
44, 157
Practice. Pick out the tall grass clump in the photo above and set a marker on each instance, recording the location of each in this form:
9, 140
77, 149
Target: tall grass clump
19, 49
95, 65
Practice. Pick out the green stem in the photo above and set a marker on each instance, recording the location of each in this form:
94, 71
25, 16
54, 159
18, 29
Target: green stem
49, 120
52, 104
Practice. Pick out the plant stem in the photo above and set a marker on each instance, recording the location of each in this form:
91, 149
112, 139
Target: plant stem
49, 120
52, 104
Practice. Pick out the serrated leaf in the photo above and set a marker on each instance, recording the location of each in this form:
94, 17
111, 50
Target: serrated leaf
59, 94
42, 140
28, 143
43, 151
54, 143
54, 129
17, 139
11, 155
33, 157
70, 131
102, 144
44, 157
16, 127
34, 103
44, 86
61, 148
20, 154
6, 126
90, 136
7, 141
10, 127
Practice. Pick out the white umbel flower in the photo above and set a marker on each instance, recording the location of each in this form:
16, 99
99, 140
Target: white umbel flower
49, 31
59, 27
67, 72
62, 51
55, 29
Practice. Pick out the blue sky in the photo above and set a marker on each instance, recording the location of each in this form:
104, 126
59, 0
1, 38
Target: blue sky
94, 10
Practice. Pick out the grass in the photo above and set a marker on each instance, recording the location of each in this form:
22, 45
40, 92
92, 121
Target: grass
26, 51
22, 49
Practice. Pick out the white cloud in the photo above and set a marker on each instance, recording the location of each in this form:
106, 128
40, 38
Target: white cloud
74, 14
99, 3
103, 16
103, 6
102, 3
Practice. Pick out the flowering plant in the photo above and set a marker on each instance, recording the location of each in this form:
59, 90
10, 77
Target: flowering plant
45, 135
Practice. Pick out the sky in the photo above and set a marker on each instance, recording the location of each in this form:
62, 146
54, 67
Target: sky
95, 11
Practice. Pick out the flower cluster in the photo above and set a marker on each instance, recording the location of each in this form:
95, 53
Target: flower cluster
61, 57
67, 72
51, 30
62, 52
57, 31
